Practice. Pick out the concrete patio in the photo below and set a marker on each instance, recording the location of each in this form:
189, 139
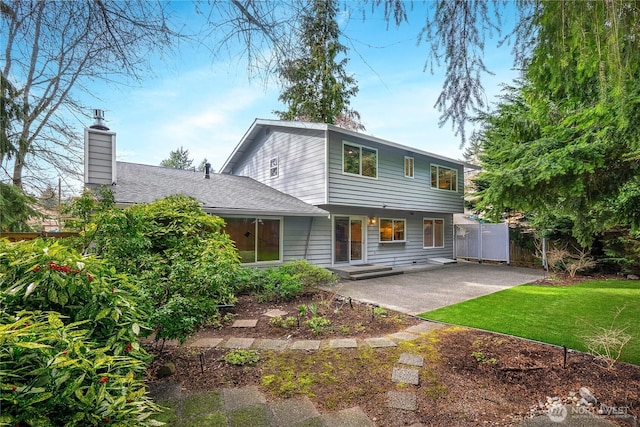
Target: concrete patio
425, 288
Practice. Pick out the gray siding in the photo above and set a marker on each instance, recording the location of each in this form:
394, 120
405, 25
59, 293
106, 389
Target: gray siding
301, 158
411, 252
391, 188
99, 161
308, 240
401, 253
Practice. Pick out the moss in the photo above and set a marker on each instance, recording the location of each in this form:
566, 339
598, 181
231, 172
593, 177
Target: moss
311, 422
168, 415
253, 416
202, 403
216, 419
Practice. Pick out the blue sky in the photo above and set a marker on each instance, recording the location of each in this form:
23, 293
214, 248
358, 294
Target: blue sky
206, 105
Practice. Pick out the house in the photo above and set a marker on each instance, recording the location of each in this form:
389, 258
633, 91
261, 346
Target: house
388, 203
297, 190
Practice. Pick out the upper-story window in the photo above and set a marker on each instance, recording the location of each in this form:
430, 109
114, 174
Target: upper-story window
408, 167
392, 230
274, 168
444, 178
359, 160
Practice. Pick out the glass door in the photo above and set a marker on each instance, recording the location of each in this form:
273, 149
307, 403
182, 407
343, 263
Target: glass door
356, 240
348, 240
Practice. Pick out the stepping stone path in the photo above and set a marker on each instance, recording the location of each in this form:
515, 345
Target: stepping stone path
234, 406
275, 312
245, 323
405, 374
248, 406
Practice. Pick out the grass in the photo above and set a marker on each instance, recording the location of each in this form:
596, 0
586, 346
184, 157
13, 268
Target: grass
561, 315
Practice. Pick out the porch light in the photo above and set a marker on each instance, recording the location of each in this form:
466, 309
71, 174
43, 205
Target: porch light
372, 220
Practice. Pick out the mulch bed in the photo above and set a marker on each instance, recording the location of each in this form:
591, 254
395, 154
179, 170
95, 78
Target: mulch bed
477, 378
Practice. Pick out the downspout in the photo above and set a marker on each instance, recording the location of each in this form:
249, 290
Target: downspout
306, 246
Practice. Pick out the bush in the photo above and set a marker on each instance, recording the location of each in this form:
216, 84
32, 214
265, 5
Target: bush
285, 282
310, 275
242, 357
184, 263
69, 340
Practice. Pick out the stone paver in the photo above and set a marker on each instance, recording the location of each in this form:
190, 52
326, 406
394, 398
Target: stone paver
350, 417
402, 400
275, 312
404, 336
268, 344
242, 397
161, 390
425, 327
411, 359
380, 342
290, 412
407, 376
306, 345
206, 342
343, 343
245, 323
239, 343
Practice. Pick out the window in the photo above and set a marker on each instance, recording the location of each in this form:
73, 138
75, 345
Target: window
408, 167
444, 178
274, 170
433, 233
359, 160
392, 230
257, 239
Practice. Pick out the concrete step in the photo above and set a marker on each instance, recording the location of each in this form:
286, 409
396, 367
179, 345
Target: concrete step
365, 271
374, 274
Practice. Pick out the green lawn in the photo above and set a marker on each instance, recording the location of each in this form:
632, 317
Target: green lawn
561, 315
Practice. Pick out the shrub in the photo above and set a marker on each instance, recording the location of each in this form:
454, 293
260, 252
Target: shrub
242, 357
69, 340
280, 322
310, 275
607, 342
184, 263
41, 275
318, 324
285, 282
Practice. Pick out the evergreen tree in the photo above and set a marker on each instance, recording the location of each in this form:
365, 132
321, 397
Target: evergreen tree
564, 143
15, 209
316, 86
178, 159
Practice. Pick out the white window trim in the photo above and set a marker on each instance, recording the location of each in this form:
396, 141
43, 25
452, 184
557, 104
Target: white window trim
434, 235
413, 167
437, 187
360, 146
392, 231
276, 167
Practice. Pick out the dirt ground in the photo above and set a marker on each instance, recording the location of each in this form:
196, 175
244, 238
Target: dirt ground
470, 377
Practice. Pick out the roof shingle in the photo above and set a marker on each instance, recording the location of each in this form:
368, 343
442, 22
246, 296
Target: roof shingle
137, 183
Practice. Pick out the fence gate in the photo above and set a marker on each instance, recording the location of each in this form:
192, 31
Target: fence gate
484, 242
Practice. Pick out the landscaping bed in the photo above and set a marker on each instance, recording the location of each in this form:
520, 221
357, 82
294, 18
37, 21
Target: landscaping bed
470, 377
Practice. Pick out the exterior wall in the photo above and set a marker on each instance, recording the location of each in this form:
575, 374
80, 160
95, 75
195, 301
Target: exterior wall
298, 231
301, 162
99, 167
411, 252
391, 188
402, 253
